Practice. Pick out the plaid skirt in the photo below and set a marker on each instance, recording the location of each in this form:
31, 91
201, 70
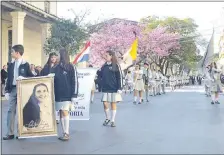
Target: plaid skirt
111, 97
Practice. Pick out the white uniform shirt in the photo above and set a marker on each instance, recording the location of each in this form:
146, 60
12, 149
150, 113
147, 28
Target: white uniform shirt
16, 70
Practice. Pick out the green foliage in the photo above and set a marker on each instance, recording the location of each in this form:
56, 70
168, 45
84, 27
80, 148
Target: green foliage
188, 54
65, 33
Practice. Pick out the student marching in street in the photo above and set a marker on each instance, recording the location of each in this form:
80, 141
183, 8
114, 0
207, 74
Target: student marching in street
129, 82
158, 83
163, 83
112, 84
93, 89
138, 84
66, 90
50, 66
216, 85
172, 82
207, 82
17, 69
146, 75
153, 82
4, 75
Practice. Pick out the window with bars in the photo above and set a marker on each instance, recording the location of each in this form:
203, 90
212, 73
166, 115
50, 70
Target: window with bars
47, 6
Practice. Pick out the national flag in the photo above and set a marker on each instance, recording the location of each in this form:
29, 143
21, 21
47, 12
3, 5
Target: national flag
130, 55
133, 51
83, 56
209, 54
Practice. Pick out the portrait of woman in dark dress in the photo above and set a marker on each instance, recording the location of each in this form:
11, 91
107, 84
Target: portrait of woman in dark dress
32, 111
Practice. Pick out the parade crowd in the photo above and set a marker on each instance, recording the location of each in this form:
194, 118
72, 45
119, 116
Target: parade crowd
142, 80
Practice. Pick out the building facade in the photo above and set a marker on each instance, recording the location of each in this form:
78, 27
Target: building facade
26, 23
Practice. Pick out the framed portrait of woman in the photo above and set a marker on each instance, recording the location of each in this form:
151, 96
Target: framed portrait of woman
36, 107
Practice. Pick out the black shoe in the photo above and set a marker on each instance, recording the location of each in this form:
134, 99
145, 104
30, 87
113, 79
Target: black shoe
212, 102
8, 137
134, 102
142, 100
3, 95
106, 122
217, 102
147, 100
57, 121
139, 102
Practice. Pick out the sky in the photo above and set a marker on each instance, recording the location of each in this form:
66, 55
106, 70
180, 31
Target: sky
205, 14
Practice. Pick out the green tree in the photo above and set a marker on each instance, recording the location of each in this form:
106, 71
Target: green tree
66, 33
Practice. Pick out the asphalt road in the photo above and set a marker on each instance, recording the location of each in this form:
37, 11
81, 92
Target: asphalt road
180, 122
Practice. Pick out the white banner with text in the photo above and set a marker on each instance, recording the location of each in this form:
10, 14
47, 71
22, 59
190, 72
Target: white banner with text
80, 110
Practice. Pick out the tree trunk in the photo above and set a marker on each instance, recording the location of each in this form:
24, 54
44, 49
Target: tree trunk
171, 68
167, 66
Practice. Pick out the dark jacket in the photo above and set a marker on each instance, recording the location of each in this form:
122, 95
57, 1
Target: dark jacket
31, 113
47, 70
112, 80
24, 70
99, 78
4, 75
65, 83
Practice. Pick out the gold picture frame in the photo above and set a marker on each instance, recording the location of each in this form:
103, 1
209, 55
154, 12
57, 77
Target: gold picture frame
36, 107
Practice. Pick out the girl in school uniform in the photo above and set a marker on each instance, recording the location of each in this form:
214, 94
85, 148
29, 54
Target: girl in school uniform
66, 91
216, 86
129, 82
112, 84
93, 89
139, 86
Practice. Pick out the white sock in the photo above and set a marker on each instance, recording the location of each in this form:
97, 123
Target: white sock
140, 99
92, 97
213, 97
113, 115
107, 113
216, 99
66, 121
135, 98
62, 124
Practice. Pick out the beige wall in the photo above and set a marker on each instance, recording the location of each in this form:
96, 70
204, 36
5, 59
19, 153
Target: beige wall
40, 5
32, 40
32, 46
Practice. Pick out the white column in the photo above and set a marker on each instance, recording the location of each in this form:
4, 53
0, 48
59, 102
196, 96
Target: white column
17, 27
4, 48
45, 33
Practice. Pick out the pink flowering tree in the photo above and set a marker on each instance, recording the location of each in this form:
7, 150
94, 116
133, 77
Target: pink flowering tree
117, 36
158, 44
